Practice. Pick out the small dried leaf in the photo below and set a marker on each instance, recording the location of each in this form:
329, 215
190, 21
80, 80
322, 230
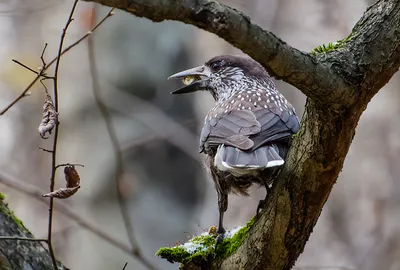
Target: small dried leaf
49, 118
62, 193
71, 176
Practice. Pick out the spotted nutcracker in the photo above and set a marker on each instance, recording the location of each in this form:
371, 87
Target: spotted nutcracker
246, 134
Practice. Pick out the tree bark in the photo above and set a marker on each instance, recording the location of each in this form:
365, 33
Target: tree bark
20, 254
339, 83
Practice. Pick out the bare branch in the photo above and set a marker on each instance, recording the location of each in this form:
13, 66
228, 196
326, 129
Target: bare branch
30, 69
281, 60
45, 150
156, 120
55, 140
119, 169
22, 238
316, 77
45, 67
36, 194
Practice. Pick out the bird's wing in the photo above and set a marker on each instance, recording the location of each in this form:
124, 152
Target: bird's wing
248, 121
231, 128
275, 124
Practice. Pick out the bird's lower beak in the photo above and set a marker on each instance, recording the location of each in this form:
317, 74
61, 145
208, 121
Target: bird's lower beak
195, 79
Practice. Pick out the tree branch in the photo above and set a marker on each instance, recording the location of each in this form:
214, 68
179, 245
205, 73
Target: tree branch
317, 77
281, 60
20, 250
339, 83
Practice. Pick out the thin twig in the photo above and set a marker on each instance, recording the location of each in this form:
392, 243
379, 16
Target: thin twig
36, 193
119, 169
42, 58
125, 266
132, 143
155, 119
32, 70
54, 153
69, 164
45, 150
22, 238
46, 66
22, 95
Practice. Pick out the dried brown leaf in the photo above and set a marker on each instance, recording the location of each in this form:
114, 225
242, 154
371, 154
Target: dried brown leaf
62, 193
49, 118
71, 176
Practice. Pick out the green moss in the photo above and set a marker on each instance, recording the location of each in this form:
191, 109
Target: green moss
333, 45
230, 245
204, 250
16, 220
2, 196
9, 213
205, 247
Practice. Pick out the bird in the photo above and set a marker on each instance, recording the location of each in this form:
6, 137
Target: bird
247, 133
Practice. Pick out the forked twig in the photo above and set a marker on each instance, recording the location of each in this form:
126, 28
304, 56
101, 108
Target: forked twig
46, 66
30, 69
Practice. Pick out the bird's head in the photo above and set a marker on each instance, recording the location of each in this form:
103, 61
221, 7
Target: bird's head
222, 76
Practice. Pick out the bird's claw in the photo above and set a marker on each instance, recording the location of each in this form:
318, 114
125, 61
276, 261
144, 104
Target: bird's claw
219, 239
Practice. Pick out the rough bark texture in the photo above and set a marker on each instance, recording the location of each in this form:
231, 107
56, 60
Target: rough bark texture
338, 83
19, 254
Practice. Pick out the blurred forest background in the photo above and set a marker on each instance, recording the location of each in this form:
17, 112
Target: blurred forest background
168, 192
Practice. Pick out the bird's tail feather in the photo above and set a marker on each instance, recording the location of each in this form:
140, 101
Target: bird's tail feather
229, 158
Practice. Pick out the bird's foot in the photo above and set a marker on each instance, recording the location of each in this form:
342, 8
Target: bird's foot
260, 206
219, 239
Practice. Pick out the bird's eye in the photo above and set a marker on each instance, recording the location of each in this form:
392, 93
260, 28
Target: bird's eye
217, 65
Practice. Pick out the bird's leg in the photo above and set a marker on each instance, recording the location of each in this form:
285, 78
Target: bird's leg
222, 206
261, 203
220, 184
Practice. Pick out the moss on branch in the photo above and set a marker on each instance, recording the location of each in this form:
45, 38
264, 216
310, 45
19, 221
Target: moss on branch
201, 249
333, 45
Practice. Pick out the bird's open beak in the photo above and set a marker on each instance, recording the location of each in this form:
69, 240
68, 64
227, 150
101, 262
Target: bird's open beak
195, 79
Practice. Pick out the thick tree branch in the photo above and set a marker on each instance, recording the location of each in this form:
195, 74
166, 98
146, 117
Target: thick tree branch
318, 78
339, 84
20, 250
281, 60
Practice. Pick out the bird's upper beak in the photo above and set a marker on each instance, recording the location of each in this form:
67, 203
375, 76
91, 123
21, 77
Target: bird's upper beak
195, 79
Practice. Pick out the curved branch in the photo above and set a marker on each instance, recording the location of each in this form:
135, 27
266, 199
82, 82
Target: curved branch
324, 79
282, 61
